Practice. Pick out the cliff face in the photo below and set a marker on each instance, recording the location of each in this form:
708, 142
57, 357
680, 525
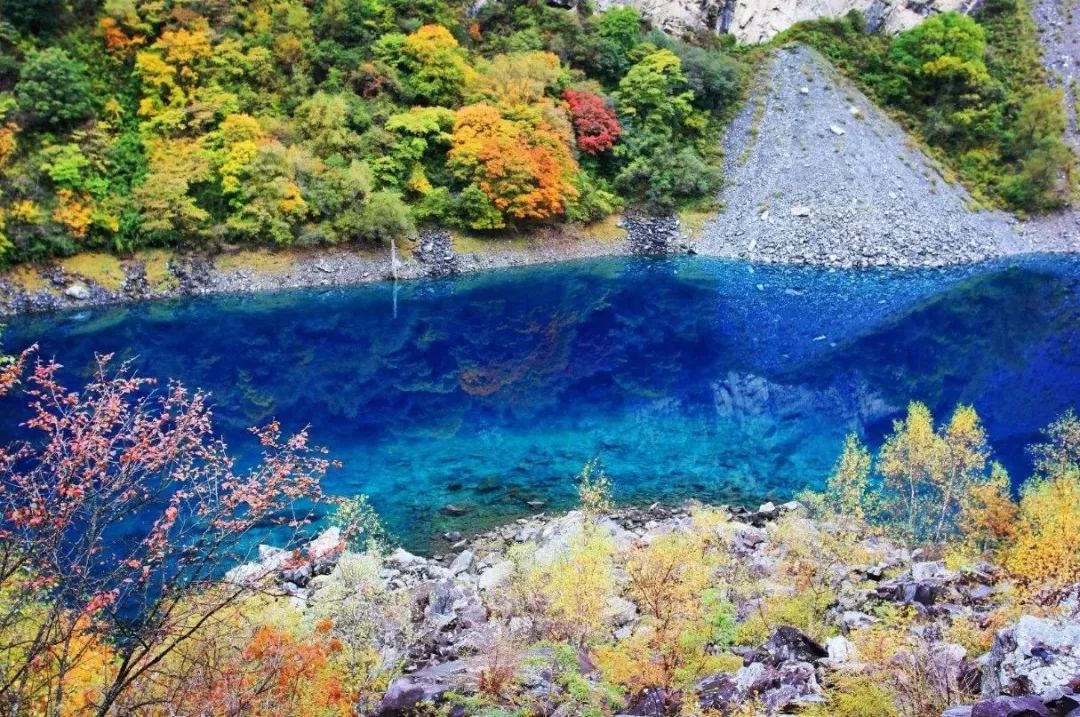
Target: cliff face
755, 21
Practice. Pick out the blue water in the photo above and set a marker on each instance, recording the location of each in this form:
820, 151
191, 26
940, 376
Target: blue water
718, 380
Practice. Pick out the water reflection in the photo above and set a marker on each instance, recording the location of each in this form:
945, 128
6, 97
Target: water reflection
702, 378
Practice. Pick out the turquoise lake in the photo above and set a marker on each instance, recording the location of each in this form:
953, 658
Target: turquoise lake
692, 377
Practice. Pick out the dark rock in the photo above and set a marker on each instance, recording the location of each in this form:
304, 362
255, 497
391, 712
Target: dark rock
453, 510
717, 692
653, 703
959, 711
297, 575
1010, 707
653, 235
777, 688
435, 253
788, 644
426, 685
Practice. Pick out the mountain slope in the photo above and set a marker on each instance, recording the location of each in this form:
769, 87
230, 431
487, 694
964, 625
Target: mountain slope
815, 172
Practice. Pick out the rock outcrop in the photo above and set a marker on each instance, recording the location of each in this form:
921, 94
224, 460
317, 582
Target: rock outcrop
756, 21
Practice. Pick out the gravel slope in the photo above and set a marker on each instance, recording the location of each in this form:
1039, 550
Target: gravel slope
815, 173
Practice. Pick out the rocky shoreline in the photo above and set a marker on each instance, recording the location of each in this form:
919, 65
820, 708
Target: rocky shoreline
434, 257
456, 611
431, 255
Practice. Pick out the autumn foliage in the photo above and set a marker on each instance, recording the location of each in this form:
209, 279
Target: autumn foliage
119, 510
524, 169
595, 125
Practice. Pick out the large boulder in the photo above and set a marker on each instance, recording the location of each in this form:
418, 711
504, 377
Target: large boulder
754, 21
428, 685
1010, 707
778, 688
1034, 656
788, 644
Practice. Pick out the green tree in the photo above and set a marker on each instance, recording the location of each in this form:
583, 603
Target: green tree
1045, 177
35, 16
655, 95
618, 33
434, 68
943, 61
53, 89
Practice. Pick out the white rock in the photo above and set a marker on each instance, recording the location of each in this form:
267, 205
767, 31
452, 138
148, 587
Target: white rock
1035, 655
837, 130
929, 570
495, 575
754, 21
246, 574
801, 211
462, 562
328, 541
78, 291
841, 649
402, 559
620, 611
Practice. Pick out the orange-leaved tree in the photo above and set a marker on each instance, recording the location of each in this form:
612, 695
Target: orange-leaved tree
522, 166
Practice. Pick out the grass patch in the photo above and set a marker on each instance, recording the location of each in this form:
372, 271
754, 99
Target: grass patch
259, 261
470, 243
27, 278
606, 230
692, 220
103, 269
158, 274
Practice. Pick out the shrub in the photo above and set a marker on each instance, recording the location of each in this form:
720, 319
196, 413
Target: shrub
682, 618
594, 490
805, 610
595, 125
855, 695
372, 622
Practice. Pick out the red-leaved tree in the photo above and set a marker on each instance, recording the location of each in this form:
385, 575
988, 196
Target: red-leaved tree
595, 125
117, 513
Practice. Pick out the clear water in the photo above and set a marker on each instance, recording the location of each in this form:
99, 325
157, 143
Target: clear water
700, 378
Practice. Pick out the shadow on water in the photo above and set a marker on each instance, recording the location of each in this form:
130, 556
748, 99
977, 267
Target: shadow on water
689, 378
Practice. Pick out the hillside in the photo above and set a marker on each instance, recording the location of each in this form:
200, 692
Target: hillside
816, 173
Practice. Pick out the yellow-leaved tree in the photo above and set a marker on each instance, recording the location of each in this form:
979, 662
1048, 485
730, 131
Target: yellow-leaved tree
1046, 548
929, 472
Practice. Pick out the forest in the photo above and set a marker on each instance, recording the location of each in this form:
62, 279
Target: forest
144, 123
203, 124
